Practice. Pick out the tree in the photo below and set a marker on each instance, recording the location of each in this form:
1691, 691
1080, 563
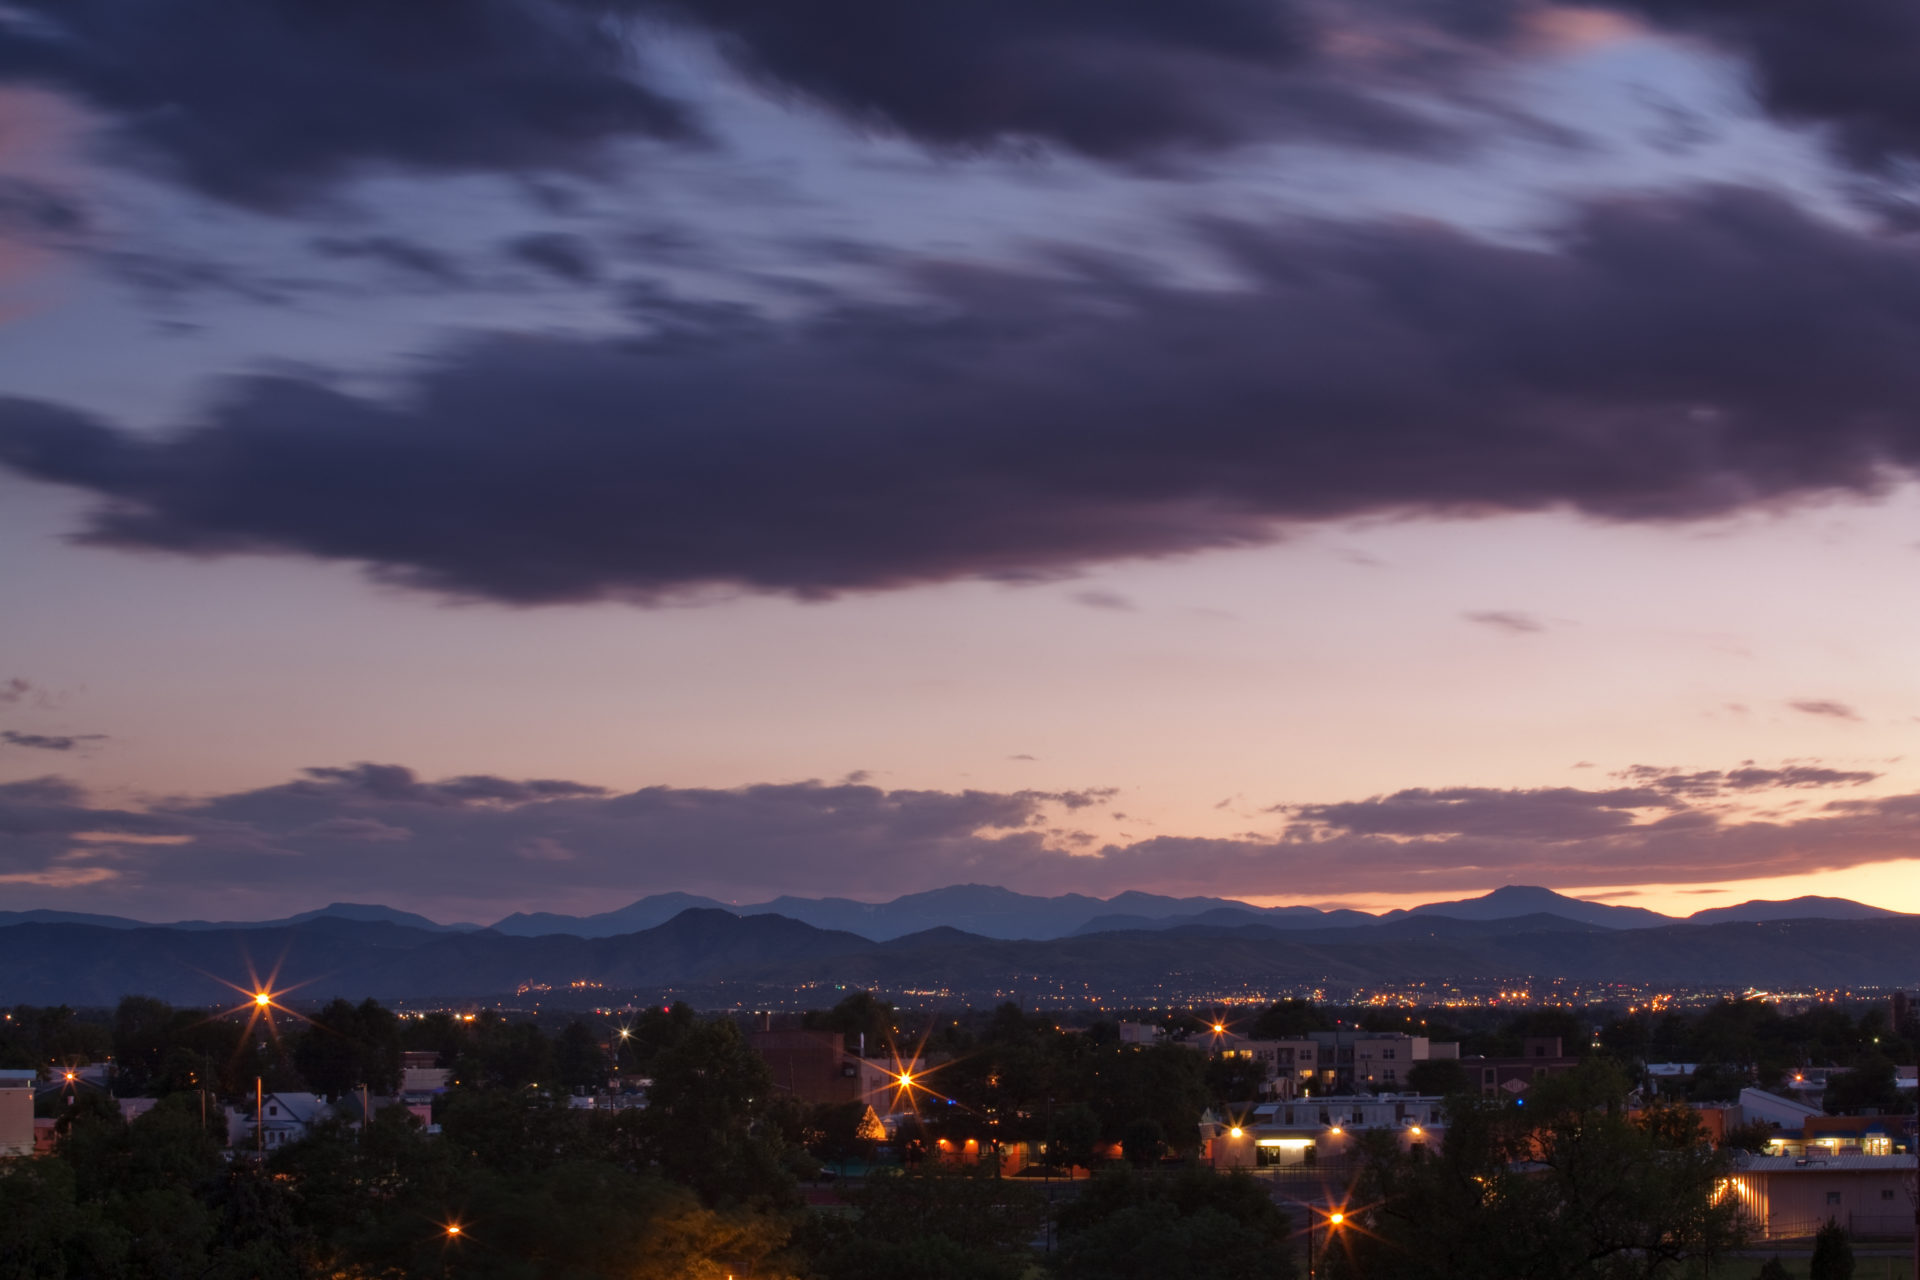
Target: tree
1440, 1077
1716, 1082
1199, 1226
1832, 1254
1870, 1085
348, 1046
1289, 1020
1754, 1136
1232, 1080
1143, 1141
1565, 1186
579, 1063
706, 1123
1073, 1139
1774, 1269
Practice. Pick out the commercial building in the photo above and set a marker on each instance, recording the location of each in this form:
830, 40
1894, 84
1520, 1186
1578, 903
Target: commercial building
1311, 1131
1785, 1197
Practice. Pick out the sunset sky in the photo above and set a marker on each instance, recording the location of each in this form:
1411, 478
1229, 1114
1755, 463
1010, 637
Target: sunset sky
528, 454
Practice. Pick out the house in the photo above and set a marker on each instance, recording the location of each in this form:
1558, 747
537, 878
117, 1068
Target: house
16, 1112
1785, 1197
282, 1118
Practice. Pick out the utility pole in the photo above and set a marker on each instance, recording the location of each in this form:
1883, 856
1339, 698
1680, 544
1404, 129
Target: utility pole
259, 1117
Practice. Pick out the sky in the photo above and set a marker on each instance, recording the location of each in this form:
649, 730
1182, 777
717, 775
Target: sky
529, 454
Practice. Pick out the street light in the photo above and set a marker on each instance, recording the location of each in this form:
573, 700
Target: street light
1334, 1219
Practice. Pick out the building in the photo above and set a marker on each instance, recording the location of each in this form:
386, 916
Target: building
282, 1118
16, 1112
1310, 1131
422, 1074
815, 1067
1785, 1197
1287, 1068
1539, 1056
1326, 1061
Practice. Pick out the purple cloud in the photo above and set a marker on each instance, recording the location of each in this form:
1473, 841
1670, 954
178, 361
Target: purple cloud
1659, 359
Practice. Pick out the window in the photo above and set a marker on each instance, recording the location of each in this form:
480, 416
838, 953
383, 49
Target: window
1886, 1193
1833, 1197
1386, 1053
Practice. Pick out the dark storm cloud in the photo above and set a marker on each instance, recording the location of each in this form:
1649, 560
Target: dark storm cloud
566, 257
1543, 813
408, 257
492, 845
49, 741
1114, 79
491, 838
267, 102
35, 209
1657, 359
1851, 66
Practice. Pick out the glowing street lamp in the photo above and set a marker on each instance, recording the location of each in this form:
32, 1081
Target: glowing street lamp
261, 999
1334, 1219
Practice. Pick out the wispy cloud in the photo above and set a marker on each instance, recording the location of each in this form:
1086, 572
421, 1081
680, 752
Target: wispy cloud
1511, 621
50, 741
1825, 707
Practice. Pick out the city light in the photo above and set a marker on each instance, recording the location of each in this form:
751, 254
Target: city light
1336, 1218
1235, 1132
262, 999
906, 1079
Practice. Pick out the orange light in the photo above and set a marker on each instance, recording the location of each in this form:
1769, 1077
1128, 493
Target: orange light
1234, 1132
70, 1075
1416, 1131
1218, 1028
453, 1228
1336, 1218
1335, 1131
262, 999
906, 1079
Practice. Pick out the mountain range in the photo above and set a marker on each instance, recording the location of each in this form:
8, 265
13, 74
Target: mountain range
718, 956
992, 912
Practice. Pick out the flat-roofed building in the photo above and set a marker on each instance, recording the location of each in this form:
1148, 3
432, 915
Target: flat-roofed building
16, 1112
1785, 1197
1308, 1131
